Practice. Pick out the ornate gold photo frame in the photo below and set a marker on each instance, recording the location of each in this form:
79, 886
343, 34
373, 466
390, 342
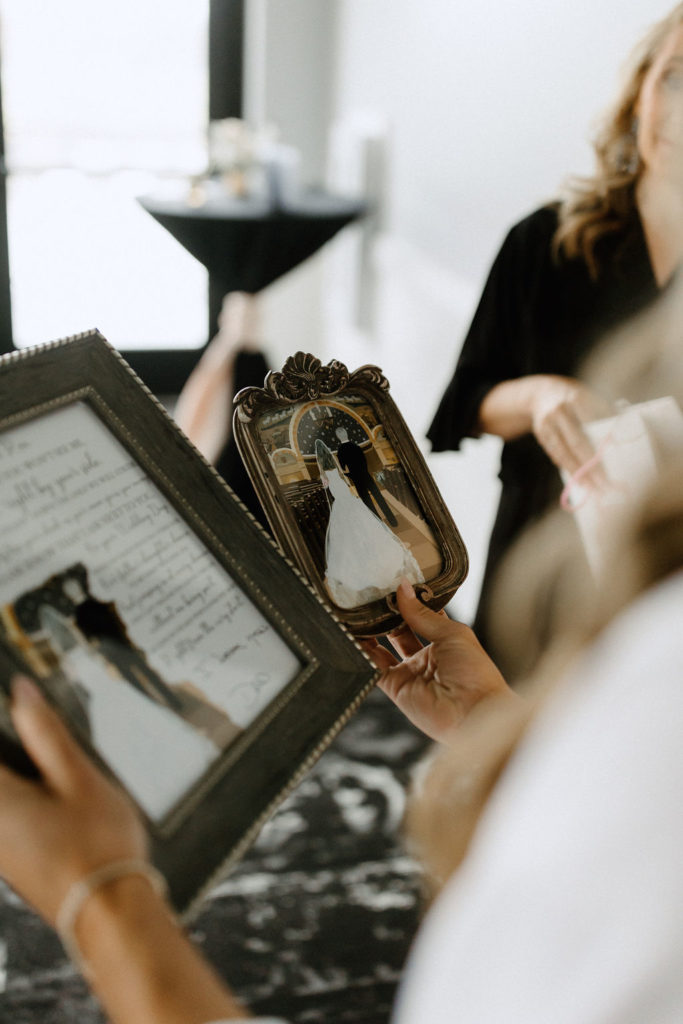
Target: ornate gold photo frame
346, 490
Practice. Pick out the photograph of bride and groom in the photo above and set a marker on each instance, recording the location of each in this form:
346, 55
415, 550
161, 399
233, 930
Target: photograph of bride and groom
357, 512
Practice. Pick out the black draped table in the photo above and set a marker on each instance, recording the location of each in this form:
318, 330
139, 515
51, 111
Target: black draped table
247, 243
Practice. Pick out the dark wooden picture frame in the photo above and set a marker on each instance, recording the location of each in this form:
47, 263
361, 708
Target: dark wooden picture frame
189, 658
346, 490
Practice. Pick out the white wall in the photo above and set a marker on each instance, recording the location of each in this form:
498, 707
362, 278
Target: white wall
488, 106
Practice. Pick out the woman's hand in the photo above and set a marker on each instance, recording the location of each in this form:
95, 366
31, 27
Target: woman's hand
553, 409
436, 686
559, 407
56, 831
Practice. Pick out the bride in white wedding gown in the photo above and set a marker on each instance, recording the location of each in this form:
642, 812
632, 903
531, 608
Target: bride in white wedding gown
364, 559
155, 753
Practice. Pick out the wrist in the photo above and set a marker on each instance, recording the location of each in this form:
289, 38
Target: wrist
536, 389
499, 703
102, 912
127, 930
509, 408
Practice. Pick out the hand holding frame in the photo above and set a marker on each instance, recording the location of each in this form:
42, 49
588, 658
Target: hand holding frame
435, 686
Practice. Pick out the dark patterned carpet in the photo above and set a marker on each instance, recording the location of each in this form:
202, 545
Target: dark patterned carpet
315, 922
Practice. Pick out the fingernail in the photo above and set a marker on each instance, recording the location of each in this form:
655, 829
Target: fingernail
406, 587
25, 691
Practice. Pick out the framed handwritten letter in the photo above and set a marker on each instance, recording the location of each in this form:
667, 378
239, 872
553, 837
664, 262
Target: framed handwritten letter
346, 490
187, 656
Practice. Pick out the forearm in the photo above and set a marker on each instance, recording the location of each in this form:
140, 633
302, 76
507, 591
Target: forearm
507, 409
144, 970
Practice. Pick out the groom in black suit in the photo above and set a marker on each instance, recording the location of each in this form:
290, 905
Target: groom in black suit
352, 461
101, 625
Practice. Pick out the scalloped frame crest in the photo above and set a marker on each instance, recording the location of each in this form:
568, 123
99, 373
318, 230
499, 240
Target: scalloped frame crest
304, 379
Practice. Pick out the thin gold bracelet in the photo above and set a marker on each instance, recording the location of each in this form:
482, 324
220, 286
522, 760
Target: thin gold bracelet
81, 891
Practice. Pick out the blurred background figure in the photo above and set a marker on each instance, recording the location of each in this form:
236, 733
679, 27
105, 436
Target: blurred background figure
234, 359
565, 274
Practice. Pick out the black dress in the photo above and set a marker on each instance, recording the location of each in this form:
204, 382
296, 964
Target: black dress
537, 314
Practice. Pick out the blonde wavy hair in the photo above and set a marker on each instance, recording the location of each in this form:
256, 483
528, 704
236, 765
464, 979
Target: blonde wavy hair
604, 203
558, 610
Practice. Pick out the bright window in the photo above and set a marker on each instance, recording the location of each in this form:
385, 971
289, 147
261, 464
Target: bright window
103, 103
